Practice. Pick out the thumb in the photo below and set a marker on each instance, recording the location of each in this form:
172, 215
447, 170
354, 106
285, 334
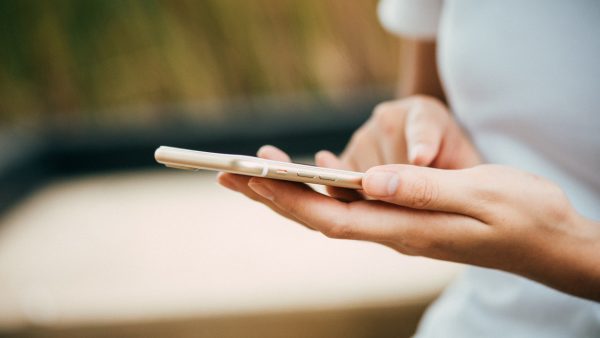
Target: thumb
422, 187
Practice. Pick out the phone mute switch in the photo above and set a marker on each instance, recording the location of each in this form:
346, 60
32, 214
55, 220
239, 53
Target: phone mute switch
307, 175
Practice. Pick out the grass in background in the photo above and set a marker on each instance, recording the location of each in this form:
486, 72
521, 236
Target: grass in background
82, 59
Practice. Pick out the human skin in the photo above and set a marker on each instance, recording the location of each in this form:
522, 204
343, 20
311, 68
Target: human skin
456, 209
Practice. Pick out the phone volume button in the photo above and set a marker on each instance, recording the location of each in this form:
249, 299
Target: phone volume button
327, 178
307, 175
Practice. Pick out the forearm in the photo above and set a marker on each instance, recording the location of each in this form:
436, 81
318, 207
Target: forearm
418, 68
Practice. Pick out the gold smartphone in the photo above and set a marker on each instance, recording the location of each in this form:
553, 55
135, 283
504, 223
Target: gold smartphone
253, 166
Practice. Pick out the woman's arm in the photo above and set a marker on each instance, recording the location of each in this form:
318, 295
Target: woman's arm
418, 69
486, 215
490, 216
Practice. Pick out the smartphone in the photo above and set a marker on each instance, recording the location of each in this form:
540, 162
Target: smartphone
253, 166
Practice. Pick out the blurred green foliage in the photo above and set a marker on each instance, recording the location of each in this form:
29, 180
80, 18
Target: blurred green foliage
76, 58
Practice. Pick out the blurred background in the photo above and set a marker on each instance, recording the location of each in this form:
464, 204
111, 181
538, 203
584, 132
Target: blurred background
91, 61
96, 239
93, 85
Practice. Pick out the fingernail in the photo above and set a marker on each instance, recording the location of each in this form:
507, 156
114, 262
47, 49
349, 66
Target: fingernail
261, 189
263, 148
322, 159
418, 151
381, 184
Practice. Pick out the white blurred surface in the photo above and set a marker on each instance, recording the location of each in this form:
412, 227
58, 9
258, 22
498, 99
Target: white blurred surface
169, 243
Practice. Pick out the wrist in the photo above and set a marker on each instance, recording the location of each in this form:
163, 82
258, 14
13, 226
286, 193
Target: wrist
589, 252
573, 261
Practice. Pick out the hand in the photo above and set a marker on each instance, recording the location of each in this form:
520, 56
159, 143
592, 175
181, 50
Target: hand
490, 216
240, 183
417, 130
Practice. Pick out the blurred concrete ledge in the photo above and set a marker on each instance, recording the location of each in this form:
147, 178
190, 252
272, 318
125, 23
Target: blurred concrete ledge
169, 253
366, 321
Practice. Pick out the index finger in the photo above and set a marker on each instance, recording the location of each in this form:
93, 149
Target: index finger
424, 129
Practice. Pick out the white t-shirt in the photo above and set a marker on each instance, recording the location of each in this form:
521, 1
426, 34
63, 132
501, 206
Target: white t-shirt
523, 77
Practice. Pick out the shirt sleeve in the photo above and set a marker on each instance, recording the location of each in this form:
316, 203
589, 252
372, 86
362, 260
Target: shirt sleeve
416, 19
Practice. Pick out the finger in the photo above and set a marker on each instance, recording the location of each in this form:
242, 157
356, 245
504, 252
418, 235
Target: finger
411, 230
270, 152
389, 119
239, 183
426, 188
327, 159
318, 211
229, 181
424, 130
362, 151
456, 150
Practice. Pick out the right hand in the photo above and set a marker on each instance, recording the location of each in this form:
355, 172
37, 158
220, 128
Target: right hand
418, 130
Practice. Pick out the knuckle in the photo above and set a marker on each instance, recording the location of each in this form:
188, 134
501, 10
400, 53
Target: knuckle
420, 246
427, 106
294, 209
382, 109
420, 243
339, 229
359, 136
422, 192
558, 205
483, 178
426, 100
387, 118
421, 99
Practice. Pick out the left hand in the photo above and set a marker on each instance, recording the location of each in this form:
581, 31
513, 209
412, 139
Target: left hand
488, 215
